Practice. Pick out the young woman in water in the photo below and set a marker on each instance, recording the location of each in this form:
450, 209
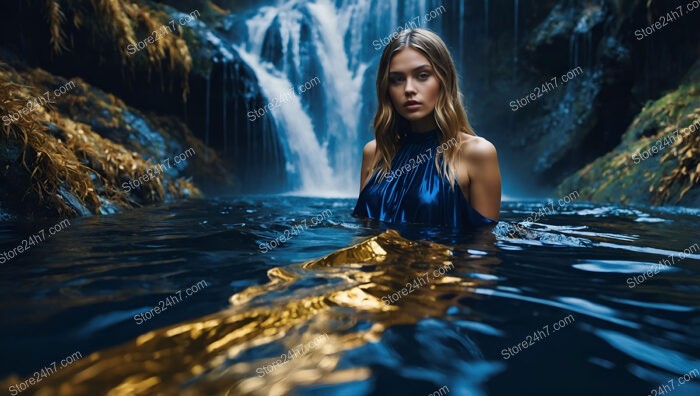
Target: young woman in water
426, 164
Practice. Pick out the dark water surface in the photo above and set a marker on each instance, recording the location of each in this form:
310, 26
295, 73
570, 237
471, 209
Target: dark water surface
336, 289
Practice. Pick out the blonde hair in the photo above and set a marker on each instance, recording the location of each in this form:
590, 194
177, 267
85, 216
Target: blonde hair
449, 112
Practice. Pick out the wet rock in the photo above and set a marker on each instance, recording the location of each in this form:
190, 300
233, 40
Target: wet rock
75, 156
657, 161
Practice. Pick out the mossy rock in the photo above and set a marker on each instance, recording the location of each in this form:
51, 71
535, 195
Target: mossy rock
657, 160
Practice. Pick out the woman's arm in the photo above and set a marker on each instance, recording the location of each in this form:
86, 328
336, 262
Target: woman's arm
484, 177
367, 162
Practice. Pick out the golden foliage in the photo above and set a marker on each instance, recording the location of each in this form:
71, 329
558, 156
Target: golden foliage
73, 158
56, 18
49, 163
686, 150
124, 23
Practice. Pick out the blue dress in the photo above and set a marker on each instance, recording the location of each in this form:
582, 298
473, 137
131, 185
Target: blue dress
414, 192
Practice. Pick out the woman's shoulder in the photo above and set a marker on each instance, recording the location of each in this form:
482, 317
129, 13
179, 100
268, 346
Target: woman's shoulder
369, 149
475, 148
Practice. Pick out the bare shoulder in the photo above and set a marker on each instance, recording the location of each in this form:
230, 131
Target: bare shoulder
368, 153
476, 148
484, 177
370, 148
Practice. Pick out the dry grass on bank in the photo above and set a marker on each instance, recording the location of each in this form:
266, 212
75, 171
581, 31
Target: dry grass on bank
122, 23
58, 155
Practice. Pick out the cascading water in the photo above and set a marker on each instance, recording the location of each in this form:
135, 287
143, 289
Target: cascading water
322, 130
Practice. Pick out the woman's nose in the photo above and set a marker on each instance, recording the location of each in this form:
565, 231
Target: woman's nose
410, 87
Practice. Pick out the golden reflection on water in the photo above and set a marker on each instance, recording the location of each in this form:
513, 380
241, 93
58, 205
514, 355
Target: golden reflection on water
206, 355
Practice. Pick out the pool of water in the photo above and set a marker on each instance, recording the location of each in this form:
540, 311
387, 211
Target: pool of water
274, 295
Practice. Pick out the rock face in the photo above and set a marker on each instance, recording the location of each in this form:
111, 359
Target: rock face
89, 152
578, 126
658, 159
158, 59
70, 149
224, 90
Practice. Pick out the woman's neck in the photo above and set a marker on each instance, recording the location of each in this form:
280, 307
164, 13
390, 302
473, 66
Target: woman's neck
426, 124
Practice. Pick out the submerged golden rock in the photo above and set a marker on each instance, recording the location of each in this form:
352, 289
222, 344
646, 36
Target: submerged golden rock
346, 307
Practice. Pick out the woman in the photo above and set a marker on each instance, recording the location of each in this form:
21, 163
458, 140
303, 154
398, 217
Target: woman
426, 164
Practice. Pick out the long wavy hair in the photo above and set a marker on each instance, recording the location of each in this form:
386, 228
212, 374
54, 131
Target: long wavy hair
449, 113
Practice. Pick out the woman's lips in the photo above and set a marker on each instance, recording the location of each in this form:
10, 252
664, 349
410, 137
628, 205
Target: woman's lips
412, 106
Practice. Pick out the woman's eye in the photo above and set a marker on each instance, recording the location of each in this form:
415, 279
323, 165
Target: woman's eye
424, 76
395, 80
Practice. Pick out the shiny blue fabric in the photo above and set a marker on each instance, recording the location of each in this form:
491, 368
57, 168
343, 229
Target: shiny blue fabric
414, 192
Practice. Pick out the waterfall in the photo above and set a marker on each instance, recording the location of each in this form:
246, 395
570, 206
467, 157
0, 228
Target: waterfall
309, 158
342, 87
322, 130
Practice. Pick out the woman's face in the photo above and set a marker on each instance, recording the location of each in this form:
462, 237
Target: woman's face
413, 86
